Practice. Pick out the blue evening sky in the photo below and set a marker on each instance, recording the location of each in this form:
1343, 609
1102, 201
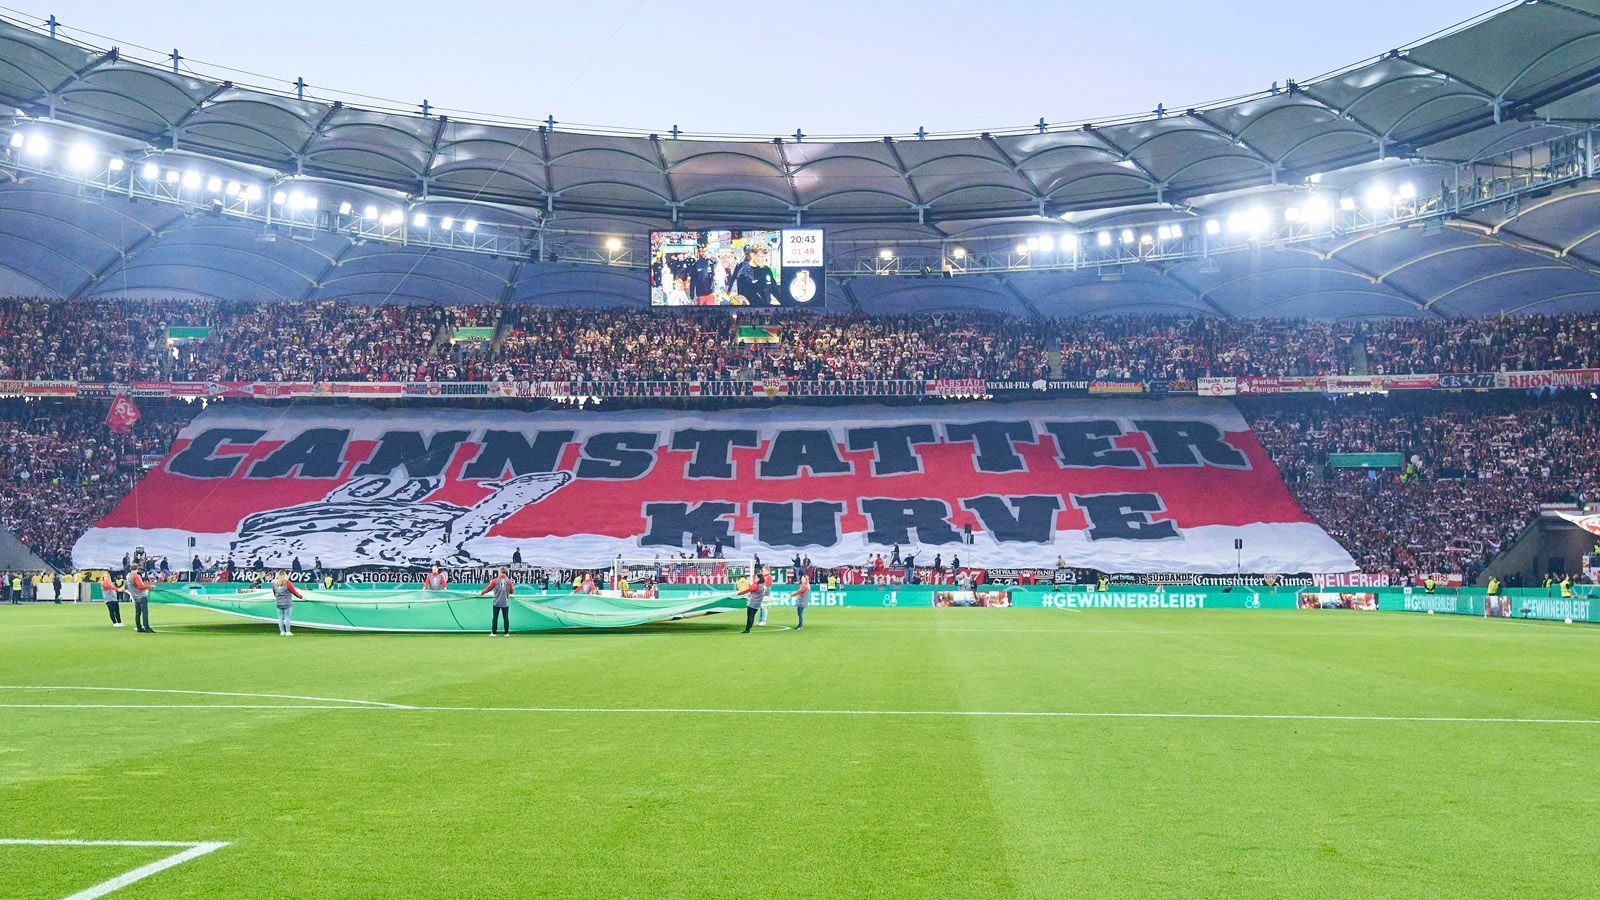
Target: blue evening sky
827, 66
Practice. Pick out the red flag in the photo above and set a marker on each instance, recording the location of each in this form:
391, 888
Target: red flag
124, 412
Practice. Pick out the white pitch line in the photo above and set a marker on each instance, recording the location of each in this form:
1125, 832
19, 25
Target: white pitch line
284, 706
948, 713
145, 871
72, 843
191, 850
134, 690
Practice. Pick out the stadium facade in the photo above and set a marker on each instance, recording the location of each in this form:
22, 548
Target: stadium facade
292, 355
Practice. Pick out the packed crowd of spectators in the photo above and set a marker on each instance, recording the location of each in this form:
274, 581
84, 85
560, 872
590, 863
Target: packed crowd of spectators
1473, 471
1399, 347
543, 344
1174, 347
63, 469
82, 340
123, 340
290, 341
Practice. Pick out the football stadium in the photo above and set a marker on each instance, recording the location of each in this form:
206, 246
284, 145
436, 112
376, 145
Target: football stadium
1197, 502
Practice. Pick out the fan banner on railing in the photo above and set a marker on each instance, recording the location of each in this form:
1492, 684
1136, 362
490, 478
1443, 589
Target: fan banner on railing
1589, 523
1120, 486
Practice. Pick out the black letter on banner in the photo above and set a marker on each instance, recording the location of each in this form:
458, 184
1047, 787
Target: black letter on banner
994, 443
891, 446
1175, 443
500, 448
894, 520
819, 523
1124, 516
315, 453
617, 455
1085, 445
1030, 519
198, 460
672, 523
397, 449
713, 449
806, 449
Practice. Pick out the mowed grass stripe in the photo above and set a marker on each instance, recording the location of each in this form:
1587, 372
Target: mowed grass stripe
870, 713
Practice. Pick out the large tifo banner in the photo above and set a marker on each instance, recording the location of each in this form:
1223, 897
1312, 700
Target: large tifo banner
1120, 486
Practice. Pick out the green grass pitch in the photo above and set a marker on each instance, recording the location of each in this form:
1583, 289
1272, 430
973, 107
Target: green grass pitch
533, 781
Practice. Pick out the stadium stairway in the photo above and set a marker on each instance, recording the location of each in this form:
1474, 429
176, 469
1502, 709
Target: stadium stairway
502, 330
1546, 543
1356, 362
14, 555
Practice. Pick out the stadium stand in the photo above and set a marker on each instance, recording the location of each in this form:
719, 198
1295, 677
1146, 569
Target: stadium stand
86, 340
126, 340
1481, 345
557, 344
64, 469
1475, 471
1474, 474
320, 341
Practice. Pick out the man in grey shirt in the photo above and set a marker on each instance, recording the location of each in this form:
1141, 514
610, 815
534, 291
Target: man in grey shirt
755, 596
139, 590
502, 586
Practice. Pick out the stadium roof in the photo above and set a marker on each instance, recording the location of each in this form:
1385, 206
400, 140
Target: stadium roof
1527, 74
1453, 97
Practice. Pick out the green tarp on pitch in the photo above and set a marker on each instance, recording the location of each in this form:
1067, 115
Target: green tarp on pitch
415, 610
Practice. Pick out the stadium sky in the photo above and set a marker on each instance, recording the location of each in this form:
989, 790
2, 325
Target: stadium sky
827, 66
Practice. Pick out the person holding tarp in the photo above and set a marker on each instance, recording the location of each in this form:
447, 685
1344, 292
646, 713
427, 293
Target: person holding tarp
435, 580
802, 598
284, 594
139, 590
755, 594
108, 593
502, 586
